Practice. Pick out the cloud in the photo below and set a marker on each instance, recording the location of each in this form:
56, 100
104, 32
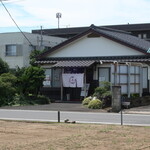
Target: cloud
76, 12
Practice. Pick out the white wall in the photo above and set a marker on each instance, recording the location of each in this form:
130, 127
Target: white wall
87, 47
19, 39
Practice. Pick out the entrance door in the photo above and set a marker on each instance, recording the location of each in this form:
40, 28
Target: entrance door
73, 92
104, 74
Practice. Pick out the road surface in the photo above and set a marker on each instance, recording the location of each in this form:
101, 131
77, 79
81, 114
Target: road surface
79, 117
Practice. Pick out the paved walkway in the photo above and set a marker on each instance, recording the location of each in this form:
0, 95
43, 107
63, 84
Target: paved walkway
57, 107
76, 107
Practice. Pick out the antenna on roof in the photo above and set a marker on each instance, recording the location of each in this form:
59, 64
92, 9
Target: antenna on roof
58, 15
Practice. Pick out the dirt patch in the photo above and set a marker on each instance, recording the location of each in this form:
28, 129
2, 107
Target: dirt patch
54, 136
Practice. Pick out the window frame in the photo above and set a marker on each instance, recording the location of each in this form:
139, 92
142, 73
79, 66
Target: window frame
52, 77
11, 50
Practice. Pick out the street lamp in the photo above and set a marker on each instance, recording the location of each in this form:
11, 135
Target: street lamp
58, 15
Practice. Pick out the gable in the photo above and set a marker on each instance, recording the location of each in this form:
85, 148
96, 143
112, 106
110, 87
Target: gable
89, 46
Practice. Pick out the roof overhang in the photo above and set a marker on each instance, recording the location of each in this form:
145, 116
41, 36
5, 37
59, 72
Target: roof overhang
80, 63
87, 61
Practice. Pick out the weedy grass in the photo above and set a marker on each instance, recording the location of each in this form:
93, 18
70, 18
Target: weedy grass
61, 136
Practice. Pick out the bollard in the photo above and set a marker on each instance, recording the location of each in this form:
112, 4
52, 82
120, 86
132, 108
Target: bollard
121, 111
121, 117
58, 116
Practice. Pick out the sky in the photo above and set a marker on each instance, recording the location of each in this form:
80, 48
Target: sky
32, 14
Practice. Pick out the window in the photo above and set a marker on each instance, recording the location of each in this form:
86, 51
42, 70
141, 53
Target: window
140, 36
104, 74
11, 50
47, 80
144, 36
56, 77
52, 78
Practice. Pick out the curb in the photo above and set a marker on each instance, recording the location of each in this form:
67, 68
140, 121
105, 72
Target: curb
137, 112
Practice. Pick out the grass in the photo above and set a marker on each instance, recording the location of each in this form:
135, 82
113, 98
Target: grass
61, 136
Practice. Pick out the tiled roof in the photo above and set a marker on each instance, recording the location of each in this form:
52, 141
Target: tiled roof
77, 30
121, 37
80, 63
85, 61
124, 38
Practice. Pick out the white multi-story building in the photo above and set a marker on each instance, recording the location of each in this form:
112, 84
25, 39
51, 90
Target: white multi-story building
15, 47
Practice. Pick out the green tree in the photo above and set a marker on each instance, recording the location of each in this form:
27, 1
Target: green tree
33, 56
30, 80
7, 88
4, 68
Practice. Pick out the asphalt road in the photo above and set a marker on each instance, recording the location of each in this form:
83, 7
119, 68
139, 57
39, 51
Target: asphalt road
79, 117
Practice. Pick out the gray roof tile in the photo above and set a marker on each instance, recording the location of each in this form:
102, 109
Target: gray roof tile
124, 38
119, 36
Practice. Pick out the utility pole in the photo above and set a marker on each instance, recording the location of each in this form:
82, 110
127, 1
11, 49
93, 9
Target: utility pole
58, 15
41, 43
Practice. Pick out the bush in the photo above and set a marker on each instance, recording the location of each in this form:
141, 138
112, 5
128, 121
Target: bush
106, 85
30, 99
4, 68
95, 104
99, 91
29, 80
135, 95
86, 100
41, 99
23, 100
7, 89
103, 92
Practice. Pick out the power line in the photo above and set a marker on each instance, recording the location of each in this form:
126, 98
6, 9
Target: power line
15, 21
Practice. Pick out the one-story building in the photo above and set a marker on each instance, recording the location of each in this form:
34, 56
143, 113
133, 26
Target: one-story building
95, 55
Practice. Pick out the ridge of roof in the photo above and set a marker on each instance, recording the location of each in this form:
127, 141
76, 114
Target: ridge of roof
116, 35
109, 29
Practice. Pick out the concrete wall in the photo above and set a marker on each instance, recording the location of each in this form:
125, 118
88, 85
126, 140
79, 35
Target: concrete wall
116, 98
16, 38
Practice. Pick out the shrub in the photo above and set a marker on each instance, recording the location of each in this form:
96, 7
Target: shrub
4, 68
135, 95
86, 100
22, 100
105, 84
107, 94
30, 99
95, 104
41, 99
29, 80
103, 92
99, 91
7, 89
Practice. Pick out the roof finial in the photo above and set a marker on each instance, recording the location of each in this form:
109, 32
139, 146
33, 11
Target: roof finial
92, 26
